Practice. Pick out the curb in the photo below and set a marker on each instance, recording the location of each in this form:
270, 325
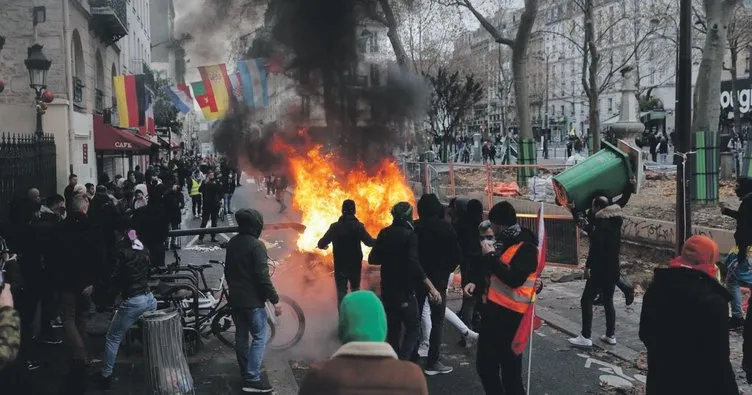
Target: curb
572, 328
280, 375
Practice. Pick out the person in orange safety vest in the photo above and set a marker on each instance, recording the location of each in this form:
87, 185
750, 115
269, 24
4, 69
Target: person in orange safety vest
506, 277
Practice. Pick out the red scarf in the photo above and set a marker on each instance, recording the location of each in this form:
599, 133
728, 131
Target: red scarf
708, 268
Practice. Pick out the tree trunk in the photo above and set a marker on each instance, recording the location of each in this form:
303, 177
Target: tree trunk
593, 91
707, 111
735, 90
519, 69
393, 33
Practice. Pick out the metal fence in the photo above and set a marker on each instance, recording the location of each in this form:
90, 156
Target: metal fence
449, 180
26, 162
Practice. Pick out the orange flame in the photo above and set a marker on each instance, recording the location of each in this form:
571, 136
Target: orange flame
320, 187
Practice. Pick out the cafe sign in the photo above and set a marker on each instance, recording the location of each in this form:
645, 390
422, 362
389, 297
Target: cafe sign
123, 144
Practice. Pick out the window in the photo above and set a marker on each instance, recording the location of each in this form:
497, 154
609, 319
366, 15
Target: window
572, 108
553, 109
562, 110
610, 104
746, 64
374, 42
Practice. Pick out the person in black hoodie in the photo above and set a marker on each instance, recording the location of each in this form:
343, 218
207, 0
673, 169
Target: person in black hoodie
174, 203
601, 269
396, 251
129, 278
250, 287
683, 325
467, 214
212, 192
79, 250
439, 253
346, 235
506, 268
152, 223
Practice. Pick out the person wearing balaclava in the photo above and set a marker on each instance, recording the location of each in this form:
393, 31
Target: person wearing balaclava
396, 251
346, 235
683, 325
364, 363
506, 277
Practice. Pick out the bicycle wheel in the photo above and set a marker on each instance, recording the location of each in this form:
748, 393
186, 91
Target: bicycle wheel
286, 330
223, 327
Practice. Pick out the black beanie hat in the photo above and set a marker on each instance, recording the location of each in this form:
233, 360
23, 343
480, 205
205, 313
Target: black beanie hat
403, 211
348, 207
503, 214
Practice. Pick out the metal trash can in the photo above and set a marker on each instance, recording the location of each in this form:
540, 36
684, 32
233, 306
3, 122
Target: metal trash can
168, 372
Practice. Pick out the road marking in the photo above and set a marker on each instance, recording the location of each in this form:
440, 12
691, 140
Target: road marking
615, 374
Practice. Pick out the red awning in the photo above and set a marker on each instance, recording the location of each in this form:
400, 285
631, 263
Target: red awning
110, 138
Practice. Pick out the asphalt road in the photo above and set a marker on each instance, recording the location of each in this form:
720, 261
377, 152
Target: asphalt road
556, 367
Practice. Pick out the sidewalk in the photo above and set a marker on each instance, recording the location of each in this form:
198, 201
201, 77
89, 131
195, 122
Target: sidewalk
559, 306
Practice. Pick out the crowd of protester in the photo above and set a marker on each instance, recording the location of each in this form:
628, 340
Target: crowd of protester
93, 246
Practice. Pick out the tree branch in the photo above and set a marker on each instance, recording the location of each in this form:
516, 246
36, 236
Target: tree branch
488, 26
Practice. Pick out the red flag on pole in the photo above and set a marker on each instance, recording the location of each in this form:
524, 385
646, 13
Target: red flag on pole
530, 321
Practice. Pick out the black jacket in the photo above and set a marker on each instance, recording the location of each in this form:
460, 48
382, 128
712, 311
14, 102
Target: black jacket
438, 247
174, 202
684, 327
247, 270
524, 263
131, 274
33, 248
743, 233
346, 236
604, 231
212, 193
78, 253
396, 251
151, 223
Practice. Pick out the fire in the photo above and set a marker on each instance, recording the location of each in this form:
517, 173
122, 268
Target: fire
320, 188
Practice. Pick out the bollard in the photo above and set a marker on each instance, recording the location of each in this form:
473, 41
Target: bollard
168, 372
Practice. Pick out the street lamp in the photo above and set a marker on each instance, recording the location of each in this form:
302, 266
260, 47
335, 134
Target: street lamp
38, 65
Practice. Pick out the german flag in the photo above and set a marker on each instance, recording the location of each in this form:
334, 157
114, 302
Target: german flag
130, 94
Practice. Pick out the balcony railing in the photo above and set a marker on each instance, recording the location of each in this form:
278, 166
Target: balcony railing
98, 100
109, 19
78, 92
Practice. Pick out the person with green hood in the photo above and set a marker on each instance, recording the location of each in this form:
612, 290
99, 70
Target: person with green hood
250, 287
365, 364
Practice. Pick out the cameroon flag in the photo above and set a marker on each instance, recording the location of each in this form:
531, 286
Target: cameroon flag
130, 95
217, 83
205, 99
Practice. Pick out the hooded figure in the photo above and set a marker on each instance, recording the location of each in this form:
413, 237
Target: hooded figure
365, 364
396, 251
684, 325
346, 235
439, 253
250, 287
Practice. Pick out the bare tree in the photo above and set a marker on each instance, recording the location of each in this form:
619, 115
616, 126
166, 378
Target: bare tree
739, 39
429, 35
519, 46
383, 12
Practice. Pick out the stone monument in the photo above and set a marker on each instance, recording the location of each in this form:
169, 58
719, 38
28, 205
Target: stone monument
628, 127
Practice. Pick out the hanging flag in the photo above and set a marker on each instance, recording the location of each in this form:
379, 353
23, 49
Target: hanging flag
129, 96
205, 100
237, 87
253, 74
529, 320
217, 83
180, 96
148, 127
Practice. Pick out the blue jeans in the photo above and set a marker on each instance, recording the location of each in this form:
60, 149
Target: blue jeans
228, 202
251, 321
127, 314
734, 287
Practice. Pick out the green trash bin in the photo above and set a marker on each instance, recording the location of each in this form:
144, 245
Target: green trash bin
609, 171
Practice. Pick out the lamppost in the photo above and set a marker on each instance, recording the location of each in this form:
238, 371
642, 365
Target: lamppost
38, 65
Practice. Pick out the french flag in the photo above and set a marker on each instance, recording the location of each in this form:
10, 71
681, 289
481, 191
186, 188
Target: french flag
180, 96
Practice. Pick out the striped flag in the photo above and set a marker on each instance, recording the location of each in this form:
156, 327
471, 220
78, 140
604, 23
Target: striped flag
130, 97
206, 101
148, 127
529, 320
217, 84
237, 87
180, 96
253, 74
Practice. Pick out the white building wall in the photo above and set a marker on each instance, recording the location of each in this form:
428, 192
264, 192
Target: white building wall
136, 46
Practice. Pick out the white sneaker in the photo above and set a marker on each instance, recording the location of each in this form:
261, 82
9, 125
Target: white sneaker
471, 337
423, 350
581, 341
609, 340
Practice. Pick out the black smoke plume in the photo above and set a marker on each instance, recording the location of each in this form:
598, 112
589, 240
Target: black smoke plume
321, 42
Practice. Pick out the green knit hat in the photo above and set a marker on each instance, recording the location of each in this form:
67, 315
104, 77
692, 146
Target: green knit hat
362, 318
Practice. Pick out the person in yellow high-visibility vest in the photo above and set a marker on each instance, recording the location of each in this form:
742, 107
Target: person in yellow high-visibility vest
195, 193
506, 276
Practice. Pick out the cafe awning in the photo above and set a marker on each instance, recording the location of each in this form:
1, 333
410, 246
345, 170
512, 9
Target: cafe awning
110, 138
